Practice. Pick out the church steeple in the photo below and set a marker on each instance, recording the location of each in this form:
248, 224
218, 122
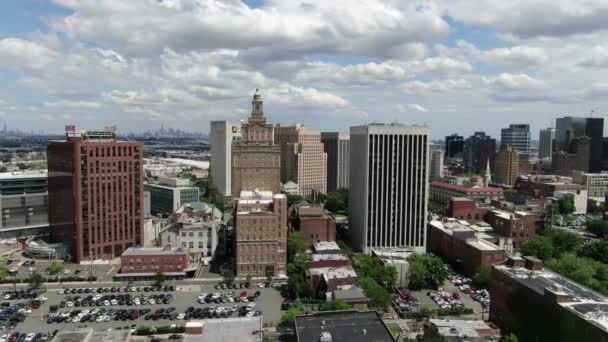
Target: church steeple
257, 112
487, 178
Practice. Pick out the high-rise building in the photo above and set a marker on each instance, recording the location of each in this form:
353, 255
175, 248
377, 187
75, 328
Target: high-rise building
518, 137
454, 145
95, 193
545, 143
569, 128
222, 135
388, 194
576, 158
256, 158
303, 159
436, 163
23, 204
479, 148
506, 166
337, 147
260, 212
261, 234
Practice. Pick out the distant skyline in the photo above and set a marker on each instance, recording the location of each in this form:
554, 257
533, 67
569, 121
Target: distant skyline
456, 65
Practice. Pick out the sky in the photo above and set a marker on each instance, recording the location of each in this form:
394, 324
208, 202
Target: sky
455, 65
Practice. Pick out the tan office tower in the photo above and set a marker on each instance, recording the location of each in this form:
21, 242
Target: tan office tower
261, 234
303, 159
506, 166
260, 212
256, 159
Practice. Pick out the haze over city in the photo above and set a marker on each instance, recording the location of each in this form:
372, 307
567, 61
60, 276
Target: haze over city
454, 65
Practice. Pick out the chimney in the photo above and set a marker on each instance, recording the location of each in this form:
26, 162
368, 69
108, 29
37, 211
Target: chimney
533, 263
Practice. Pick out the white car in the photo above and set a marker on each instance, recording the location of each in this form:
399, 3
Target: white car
251, 314
181, 316
137, 302
107, 318
106, 303
42, 298
114, 302
100, 319
261, 285
60, 291
8, 296
66, 271
29, 337
151, 302
69, 304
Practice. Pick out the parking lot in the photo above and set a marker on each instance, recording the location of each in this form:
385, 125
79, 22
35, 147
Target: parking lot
21, 267
184, 296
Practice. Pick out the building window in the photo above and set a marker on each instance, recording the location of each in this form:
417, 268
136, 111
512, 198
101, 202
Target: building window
191, 244
183, 234
200, 234
191, 234
184, 244
200, 244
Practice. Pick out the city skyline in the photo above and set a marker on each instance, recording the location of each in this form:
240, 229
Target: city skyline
62, 64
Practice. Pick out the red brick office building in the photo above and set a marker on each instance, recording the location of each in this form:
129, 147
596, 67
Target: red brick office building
315, 224
95, 194
152, 260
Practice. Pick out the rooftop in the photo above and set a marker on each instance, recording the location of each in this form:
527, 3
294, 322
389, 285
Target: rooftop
334, 272
393, 255
241, 329
462, 188
255, 196
462, 230
351, 326
584, 302
23, 174
320, 257
89, 335
351, 294
325, 246
455, 328
151, 251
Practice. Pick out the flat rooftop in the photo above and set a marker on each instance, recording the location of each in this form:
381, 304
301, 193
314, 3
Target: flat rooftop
23, 174
320, 257
241, 329
347, 326
459, 229
334, 272
89, 335
457, 328
585, 302
325, 246
151, 251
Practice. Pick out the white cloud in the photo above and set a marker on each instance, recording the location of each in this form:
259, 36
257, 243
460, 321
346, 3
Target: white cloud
507, 81
74, 104
304, 97
437, 86
15, 52
516, 56
411, 107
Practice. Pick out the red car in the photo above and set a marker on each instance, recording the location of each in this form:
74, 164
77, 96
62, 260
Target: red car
456, 295
406, 294
243, 294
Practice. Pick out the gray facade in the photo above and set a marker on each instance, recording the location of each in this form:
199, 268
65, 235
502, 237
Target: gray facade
23, 204
568, 128
337, 147
222, 135
389, 186
545, 143
518, 137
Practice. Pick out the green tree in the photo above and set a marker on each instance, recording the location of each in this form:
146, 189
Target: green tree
344, 248
539, 246
288, 318
434, 272
293, 198
598, 227
55, 267
417, 276
248, 279
573, 267
563, 241
566, 204
596, 250
368, 266
509, 338
159, 278
334, 306
228, 276
3, 268
482, 278
337, 201
296, 244
35, 280
378, 296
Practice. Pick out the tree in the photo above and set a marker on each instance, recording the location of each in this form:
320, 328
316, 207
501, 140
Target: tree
378, 296
344, 248
428, 271
248, 279
598, 227
269, 277
509, 338
55, 267
337, 201
293, 198
368, 266
159, 278
296, 244
334, 306
3, 268
596, 250
288, 318
482, 278
228, 276
563, 241
578, 269
566, 204
539, 246
35, 280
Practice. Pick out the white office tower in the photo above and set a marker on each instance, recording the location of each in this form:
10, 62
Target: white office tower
436, 163
221, 137
388, 186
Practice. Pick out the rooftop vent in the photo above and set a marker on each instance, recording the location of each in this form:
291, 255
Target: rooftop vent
325, 337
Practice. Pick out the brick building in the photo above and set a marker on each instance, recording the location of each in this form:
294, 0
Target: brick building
457, 242
540, 305
315, 223
95, 184
441, 193
147, 261
261, 234
542, 186
328, 269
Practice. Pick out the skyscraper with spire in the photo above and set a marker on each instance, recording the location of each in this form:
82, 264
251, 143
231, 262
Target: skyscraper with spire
256, 159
